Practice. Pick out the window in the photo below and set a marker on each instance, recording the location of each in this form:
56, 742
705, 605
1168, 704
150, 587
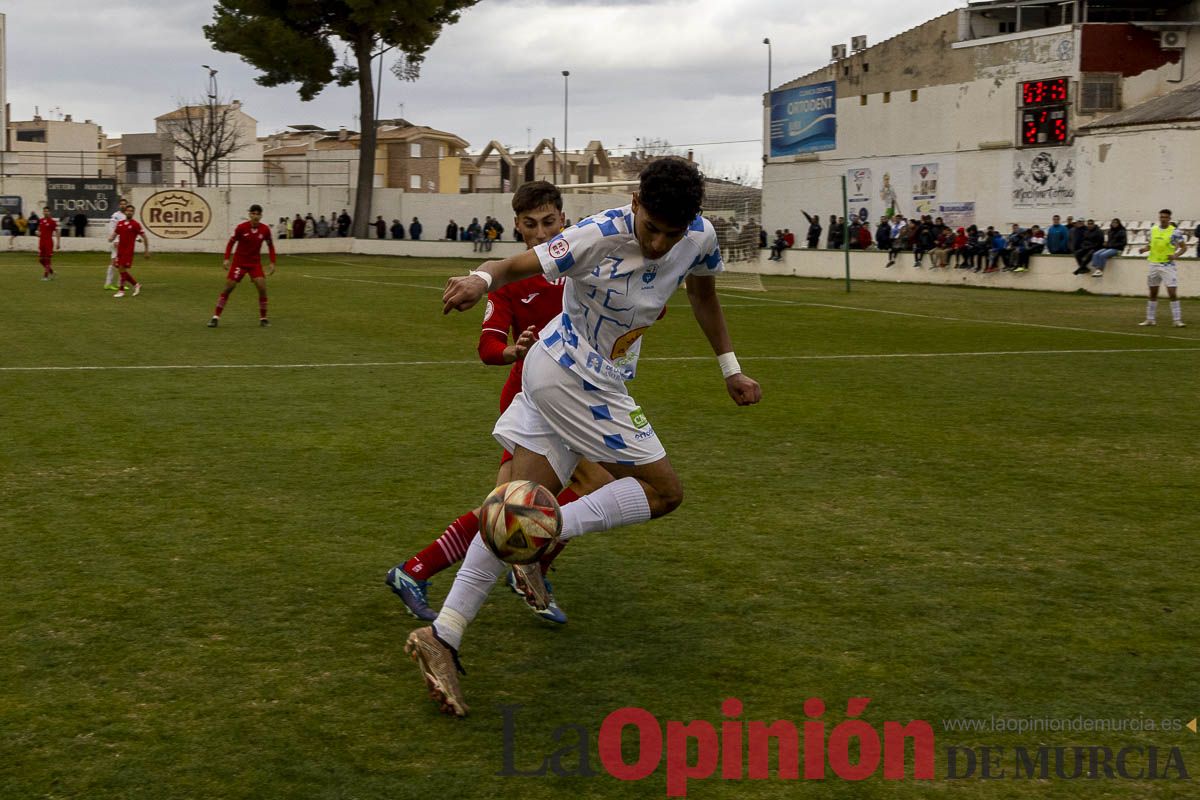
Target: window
414, 181
441, 151
1100, 93
31, 135
846, 70
912, 96
887, 97
414, 150
1008, 27
866, 67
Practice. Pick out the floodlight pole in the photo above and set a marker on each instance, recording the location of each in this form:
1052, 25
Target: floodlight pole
566, 81
846, 231
767, 42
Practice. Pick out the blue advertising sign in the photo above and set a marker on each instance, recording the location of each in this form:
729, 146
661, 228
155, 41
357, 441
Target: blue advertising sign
804, 119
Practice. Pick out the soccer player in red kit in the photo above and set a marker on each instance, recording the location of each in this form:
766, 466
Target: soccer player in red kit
126, 233
523, 308
248, 237
49, 240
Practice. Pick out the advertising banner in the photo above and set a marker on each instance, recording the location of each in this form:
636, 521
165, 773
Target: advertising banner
804, 119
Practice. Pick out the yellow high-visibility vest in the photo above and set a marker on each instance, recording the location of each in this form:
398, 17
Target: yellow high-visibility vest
1161, 249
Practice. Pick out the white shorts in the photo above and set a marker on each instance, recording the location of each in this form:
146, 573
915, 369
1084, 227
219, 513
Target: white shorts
113, 250
555, 416
1163, 275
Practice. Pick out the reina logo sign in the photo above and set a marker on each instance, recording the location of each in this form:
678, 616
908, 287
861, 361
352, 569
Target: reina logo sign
176, 214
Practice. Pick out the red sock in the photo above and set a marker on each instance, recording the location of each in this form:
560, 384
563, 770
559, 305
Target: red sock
262, 307
125, 276
221, 301
447, 549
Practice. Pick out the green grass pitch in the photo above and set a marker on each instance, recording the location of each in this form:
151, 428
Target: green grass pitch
959, 503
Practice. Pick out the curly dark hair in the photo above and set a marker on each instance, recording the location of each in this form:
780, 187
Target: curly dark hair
672, 190
536, 194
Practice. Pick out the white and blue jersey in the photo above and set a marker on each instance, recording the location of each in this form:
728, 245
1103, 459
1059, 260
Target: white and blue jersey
615, 293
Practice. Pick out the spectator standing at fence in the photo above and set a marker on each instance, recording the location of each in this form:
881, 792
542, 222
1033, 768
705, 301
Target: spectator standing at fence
298, 227
1114, 245
21, 224
397, 229
343, 224
813, 236
883, 235
1058, 238
33, 223
322, 228
833, 237
380, 226
282, 228
414, 229
8, 227
1167, 243
1091, 241
310, 226
79, 223
452, 231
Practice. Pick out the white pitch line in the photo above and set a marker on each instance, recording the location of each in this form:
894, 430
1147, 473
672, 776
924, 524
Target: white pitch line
966, 319
377, 283
835, 357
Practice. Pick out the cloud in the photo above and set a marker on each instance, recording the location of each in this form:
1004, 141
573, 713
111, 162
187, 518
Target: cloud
689, 72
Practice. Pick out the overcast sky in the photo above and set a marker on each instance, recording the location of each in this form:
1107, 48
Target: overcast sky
688, 72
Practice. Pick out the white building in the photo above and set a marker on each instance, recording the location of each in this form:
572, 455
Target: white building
1024, 108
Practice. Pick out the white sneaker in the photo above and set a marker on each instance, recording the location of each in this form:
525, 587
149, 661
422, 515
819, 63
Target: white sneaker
1180, 323
120, 293
137, 289
1098, 273
1147, 323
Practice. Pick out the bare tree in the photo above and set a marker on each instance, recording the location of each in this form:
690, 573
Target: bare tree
203, 133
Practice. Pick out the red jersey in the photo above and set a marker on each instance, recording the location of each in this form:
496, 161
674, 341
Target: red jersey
249, 239
46, 229
514, 307
127, 230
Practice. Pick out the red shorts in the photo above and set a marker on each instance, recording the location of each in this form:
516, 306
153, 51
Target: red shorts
124, 260
237, 272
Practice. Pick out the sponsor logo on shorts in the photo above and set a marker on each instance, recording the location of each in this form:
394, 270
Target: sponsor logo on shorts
643, 435
638, 418
559, 248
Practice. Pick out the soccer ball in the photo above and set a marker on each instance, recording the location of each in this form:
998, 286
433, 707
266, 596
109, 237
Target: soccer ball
519, 521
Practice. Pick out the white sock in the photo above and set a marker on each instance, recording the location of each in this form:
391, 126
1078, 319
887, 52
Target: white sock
1176, 311
474, 581
111, 276
1151, 308
622, 502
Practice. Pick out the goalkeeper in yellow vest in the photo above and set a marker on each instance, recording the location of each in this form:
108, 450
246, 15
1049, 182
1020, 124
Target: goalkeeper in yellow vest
1166, 244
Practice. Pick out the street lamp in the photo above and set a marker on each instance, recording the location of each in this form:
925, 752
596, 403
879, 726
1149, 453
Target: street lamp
566, 81
767, 42
212, 110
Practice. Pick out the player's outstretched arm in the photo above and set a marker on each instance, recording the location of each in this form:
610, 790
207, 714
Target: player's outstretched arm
706, 307
463, 292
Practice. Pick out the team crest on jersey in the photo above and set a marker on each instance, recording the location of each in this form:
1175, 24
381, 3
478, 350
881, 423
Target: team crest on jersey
649, 275
594, 362
487, 312
559, 248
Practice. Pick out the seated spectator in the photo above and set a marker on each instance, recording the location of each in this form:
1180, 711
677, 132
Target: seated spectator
1018, 251
1114, 244
789, 238
777, 248
1091, 240
958, 247
902, 236
1058, 238
922, 243
939, 256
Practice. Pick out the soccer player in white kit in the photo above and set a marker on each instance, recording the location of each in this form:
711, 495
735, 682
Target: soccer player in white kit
622, 265
110, 278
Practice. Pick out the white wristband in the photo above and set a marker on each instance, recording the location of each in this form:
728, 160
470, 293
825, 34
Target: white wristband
729, 364
487, 277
